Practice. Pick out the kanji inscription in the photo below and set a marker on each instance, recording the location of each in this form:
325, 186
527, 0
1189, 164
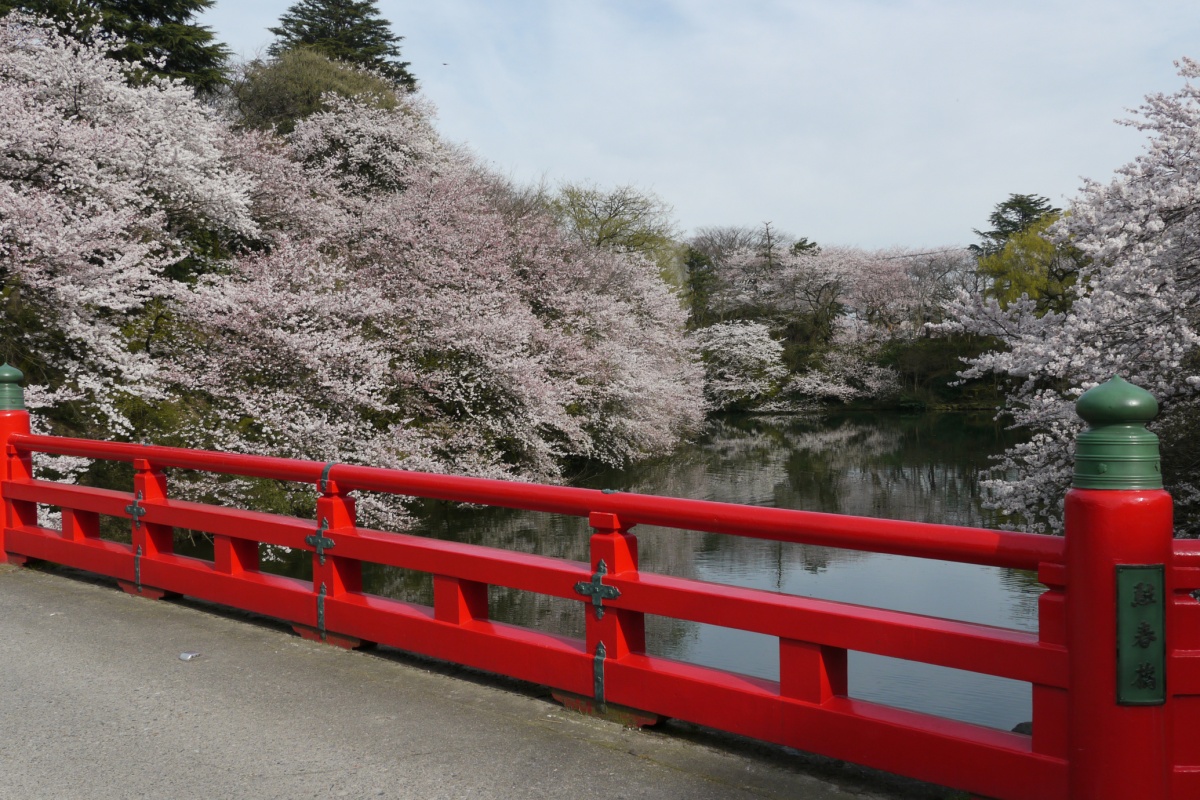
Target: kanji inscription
1141, 634
1144, 636
1143, 594
1145, 676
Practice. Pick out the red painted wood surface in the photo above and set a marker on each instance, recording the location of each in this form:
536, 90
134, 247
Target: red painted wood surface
1075, 727
1116, 751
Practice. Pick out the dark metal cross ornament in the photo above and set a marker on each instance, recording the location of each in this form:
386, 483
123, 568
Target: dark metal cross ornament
319, 541
136, 510
598, 591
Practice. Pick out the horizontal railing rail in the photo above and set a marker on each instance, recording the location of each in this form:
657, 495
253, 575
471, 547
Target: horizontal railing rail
896, 537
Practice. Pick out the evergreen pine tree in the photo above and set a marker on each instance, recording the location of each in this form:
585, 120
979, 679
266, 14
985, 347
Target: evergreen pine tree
160, 35
345, 30
1016, 214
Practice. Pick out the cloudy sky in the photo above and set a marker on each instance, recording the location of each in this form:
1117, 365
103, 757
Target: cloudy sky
856, 122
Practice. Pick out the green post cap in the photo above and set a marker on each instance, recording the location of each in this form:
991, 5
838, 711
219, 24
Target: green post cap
1116, 451
12, 396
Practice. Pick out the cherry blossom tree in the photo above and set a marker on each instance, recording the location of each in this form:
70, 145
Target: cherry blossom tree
397, 316
354, 291
845, 373
832, 309
101, 185
894, 292
743, 364
1132, 312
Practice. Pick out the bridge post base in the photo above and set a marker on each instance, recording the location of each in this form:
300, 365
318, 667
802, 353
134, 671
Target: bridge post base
629, 717
149, 592
335, 639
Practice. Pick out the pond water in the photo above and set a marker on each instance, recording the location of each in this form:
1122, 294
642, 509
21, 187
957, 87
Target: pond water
916, 467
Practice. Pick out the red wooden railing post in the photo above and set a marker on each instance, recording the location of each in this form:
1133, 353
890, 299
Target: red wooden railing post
149, 540
1118, 543
15, 466
811, 672
234, 556
333, 576
610, 633
614, 550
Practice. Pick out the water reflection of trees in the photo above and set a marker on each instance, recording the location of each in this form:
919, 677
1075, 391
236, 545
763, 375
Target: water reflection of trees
923, 468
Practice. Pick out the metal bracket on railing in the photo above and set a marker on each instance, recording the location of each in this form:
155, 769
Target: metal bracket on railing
598, 591
136, 510
323, 482
319, 541
598, 676
137, 568
321, 612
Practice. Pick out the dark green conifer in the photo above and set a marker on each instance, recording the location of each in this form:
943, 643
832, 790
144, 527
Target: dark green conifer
345, 30
1016, 214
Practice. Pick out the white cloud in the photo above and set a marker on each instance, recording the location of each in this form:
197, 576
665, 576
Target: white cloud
852, 122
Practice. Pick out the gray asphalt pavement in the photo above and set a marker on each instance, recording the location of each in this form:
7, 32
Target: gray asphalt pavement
96, 703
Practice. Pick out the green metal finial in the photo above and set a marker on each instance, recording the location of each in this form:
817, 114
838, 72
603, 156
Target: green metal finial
12, 396
1116, 451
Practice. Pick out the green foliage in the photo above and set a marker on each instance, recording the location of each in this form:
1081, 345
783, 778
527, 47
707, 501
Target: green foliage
1014, 215
700, 276
1179, 440
276, 94
1016, 257
24, 331
160, 37
624, 219
929, 367
1030, 264
344, 30
803, 245
805, 338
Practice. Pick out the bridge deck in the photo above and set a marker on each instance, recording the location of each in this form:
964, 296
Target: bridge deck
97, 703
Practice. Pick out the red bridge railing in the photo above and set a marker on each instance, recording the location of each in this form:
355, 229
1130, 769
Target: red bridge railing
1087, 741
